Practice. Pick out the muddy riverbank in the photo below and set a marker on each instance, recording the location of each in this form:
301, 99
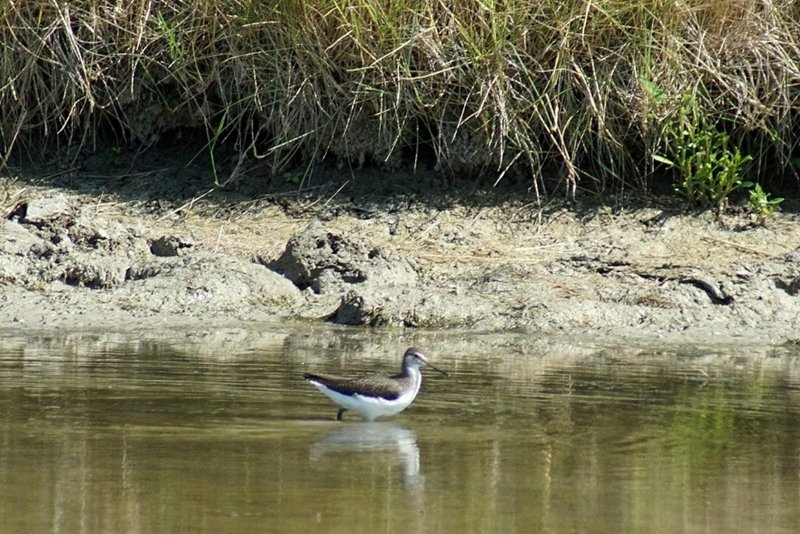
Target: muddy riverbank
121, 249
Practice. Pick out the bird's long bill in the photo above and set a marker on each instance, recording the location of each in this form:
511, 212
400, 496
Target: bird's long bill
436, 368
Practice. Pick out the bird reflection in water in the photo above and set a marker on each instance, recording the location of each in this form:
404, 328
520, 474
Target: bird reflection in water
397, 443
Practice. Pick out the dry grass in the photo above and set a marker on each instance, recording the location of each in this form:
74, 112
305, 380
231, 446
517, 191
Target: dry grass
537, 87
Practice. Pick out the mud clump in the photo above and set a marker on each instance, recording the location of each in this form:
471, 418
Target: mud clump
350, 280
320, 259
94, 271
410, 307
64, 251
206, 283
53, 240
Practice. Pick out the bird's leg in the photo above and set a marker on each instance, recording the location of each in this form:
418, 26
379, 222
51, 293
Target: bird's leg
340, 413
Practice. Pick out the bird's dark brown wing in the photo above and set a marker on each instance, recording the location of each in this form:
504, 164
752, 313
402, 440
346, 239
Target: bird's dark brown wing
372, 386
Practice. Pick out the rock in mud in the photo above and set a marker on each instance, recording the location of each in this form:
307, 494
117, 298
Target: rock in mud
171, 245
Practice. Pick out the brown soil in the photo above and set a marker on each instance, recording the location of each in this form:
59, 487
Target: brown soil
152, 243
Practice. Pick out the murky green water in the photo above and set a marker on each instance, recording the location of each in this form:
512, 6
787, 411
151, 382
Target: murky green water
212, 432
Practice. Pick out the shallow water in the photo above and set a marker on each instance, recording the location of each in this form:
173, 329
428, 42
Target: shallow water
216, 431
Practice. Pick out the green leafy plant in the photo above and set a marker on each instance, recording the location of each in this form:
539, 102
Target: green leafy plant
763, 206
709, 169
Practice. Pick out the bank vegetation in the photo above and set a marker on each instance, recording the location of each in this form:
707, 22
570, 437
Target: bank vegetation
697, 95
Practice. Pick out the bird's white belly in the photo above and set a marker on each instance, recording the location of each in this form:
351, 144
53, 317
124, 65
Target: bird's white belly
370, 407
